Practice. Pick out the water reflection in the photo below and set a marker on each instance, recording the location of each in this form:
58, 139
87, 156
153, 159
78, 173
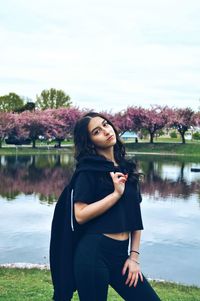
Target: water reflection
42, 175
165, 179
30, 186
47, 175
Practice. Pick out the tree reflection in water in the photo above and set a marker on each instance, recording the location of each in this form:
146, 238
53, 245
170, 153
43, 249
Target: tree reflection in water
46, 176
168, 179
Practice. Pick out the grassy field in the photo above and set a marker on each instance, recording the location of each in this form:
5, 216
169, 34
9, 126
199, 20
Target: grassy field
165, 148
40, 150
35, 285
161, 146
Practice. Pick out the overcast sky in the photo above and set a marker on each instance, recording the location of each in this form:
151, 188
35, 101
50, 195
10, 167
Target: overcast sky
106, 54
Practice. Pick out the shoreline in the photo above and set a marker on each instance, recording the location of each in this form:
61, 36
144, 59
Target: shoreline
40, 151
29, 266
168, 148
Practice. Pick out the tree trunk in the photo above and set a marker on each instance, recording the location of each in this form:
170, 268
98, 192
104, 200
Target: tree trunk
32, 162
34, 143
182, 136
58, 161
1, 143
151, 137
181, 178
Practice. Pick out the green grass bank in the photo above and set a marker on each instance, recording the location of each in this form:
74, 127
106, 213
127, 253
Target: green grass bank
35, 285
190, 149
165, 148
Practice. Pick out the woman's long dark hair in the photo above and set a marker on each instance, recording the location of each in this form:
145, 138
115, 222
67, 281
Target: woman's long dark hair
84, 146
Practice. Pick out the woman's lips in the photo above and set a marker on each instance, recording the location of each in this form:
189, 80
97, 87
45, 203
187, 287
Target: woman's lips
110, 138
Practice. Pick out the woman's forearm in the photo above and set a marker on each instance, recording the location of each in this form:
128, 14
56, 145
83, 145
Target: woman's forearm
84, 212
135, 243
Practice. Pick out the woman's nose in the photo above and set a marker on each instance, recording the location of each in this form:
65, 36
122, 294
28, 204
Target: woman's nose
106, 132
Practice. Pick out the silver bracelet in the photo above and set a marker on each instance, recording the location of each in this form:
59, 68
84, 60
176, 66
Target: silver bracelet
134, 260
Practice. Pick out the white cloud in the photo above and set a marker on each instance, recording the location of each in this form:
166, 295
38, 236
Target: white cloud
105, 54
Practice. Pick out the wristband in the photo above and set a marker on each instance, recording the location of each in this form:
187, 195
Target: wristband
135, 252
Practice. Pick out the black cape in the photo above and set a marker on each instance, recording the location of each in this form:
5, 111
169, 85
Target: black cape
66, 232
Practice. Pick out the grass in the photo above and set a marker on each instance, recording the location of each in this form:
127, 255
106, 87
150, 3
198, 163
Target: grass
35, 285
171, 147
41, 150
165, 148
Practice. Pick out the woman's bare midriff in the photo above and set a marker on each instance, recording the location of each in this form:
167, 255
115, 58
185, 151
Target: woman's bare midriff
118, 236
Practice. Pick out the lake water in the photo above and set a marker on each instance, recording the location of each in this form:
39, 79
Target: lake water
170, 245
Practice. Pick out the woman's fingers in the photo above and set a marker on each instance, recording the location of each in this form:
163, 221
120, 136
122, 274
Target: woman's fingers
120, 177
128, 278
133, 275
117, 174
119, 180
124, 268
136, 280
141, 277
132, 279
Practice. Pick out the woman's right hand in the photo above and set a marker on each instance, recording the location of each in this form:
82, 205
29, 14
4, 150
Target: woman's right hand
119, 180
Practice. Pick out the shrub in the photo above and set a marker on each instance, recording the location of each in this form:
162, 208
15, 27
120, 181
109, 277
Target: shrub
173, 134
196, 136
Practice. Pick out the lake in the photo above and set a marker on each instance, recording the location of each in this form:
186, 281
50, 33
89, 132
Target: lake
170, 245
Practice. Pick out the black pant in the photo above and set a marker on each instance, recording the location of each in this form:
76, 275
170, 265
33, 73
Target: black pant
98, 262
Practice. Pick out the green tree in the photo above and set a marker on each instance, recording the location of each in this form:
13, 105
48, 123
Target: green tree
29, 106
52, 99
10, 102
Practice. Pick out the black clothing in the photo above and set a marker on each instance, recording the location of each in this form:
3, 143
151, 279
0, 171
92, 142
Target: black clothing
66, 232
124, 216
98, 262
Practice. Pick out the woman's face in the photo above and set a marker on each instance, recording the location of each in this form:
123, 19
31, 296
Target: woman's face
101, 133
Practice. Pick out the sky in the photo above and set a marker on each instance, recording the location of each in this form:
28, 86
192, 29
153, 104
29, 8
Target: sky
106, 54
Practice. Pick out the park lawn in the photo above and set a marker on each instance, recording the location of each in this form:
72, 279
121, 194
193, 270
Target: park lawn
40, 150
35, 285
166, 147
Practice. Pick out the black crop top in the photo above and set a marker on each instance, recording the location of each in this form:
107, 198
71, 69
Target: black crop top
124, 216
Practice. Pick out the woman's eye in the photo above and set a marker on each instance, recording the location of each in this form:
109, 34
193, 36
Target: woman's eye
96, 132
106, 123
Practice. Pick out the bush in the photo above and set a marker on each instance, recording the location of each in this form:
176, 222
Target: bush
17, 141
196, 136
173, 134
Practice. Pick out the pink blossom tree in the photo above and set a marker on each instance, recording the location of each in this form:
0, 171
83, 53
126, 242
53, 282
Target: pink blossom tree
123, 122
17, 132
108, 114
137, 118
155, 119
182, 120
6, 125
196, 119
66, 118
129, 119
34, 124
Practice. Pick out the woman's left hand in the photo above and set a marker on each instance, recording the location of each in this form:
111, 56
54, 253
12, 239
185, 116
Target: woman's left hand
134, 272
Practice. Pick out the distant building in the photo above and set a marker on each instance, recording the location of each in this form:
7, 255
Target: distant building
129, 136
188, 136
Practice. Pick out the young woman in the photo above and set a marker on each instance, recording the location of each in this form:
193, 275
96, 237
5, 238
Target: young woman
106, 203
97, 222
